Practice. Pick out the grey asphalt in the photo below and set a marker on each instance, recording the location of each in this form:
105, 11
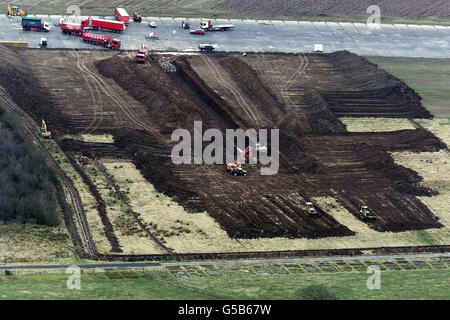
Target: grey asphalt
235, 262
258, 36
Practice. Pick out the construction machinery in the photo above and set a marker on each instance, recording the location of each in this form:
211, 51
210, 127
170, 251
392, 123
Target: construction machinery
15, 11
142, 55
318, 48
366, 214
260, 148
44, 132
310, 209
235, 169
208, 26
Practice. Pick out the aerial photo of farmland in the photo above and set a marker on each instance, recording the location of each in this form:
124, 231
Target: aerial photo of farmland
225, 150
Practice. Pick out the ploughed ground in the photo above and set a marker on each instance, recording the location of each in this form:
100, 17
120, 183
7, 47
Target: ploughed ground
84, 92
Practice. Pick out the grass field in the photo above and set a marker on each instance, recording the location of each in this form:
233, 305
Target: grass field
231, 284
207, 8
429, 77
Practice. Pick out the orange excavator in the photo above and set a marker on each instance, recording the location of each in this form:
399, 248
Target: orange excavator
235, 169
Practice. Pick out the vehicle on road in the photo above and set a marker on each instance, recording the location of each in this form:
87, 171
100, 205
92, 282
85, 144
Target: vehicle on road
152, 24
101, 40
36, 24
206, 47
102, 24
197, 31
122, 15
71, 29
137, 17
15, 11
185, 25
43, 43
208, 26
318, 48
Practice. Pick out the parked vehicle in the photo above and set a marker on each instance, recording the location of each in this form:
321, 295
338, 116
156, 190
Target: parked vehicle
152, 24
318, 48
206, 47
185, 25
101, 24
122, 15
36, 24
137, 17
71, 29
101, 40
208, 26
15, 11
142, 55
197, 31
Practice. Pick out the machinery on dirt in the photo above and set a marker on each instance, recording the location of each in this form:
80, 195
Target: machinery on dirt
122, 15
206, 47
142, 55
36, 24
71, 29
137, 17
208, 26
15, 11
366, 214
310, 209
260, 148
44, 132
101, 40
101, 24
185, 25
235, 169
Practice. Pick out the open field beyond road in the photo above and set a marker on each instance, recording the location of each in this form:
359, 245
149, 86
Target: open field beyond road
226, 283
429, 77
397, 11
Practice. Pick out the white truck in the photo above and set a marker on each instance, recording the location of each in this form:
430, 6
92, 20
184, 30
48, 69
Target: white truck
318, 47
208, 26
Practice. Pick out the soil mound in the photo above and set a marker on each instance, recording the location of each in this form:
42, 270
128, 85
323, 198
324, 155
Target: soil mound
16, 76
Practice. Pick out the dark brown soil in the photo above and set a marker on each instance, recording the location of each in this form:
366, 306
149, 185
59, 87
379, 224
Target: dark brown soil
318, 157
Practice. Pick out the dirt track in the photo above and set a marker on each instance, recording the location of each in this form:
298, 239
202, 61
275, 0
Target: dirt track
141, 105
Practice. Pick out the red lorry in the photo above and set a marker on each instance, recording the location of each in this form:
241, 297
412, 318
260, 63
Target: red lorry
142, 55
101, 40
71, 29
122, 15
101, 24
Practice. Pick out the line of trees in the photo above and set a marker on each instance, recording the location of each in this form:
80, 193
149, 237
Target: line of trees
27, 182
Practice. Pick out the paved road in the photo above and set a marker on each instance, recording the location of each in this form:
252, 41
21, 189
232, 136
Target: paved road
261, 36
235, 262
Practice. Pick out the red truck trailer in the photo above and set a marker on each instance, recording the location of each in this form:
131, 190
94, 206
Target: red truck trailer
101, 24
122, 15
101, 40
71, 29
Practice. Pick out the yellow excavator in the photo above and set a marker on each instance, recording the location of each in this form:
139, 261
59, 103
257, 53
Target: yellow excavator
44, 132
16, 11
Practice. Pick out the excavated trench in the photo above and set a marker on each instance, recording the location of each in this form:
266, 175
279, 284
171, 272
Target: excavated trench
318, 156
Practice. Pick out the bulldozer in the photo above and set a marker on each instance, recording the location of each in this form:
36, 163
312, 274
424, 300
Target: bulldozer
16, 11
366, 214
310, 209
44, 132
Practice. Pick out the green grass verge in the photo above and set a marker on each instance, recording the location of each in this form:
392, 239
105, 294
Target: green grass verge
430, 78
232, 284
